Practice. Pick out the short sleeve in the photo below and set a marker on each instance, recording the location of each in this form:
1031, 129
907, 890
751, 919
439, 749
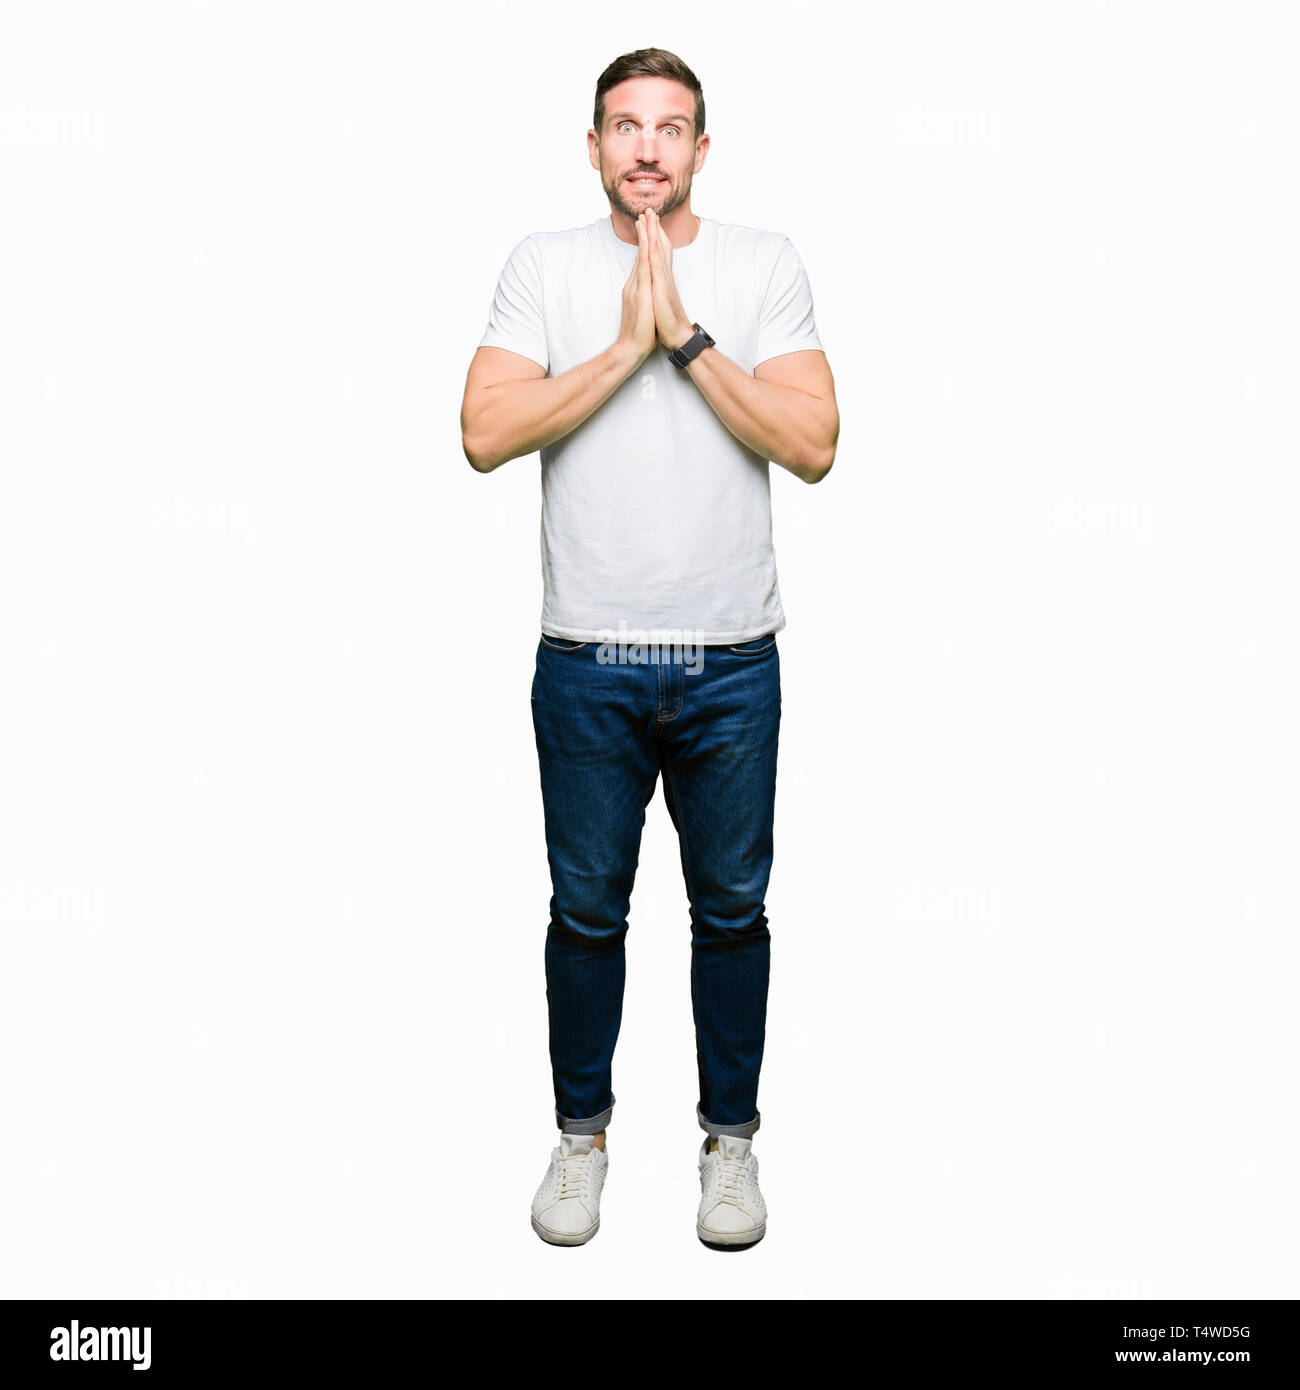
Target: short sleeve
785, 315
515, 321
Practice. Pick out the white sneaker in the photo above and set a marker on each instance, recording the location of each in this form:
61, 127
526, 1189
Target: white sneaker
732, 1211
566, 1210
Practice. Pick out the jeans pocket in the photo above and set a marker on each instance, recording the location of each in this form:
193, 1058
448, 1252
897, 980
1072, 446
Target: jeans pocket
562, 644
756, 646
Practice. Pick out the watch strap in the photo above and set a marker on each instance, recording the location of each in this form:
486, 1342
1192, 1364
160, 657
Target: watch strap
691, 348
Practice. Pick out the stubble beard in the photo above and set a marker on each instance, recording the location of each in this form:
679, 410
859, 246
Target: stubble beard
614, 191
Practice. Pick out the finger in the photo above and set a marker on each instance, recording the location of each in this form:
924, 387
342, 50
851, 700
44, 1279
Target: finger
661, 237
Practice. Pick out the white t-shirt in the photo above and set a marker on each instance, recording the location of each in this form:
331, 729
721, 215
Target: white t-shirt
656, 519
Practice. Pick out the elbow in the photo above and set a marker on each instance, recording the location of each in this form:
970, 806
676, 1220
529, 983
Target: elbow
478, 457
818, 466
822, 468
473, 440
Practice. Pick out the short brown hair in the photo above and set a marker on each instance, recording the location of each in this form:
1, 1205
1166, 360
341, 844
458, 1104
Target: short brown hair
648, 62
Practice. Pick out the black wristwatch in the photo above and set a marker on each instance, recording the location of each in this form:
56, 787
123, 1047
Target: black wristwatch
691, 348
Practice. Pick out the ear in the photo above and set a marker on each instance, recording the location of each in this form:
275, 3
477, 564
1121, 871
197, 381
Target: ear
701, 149
593, 149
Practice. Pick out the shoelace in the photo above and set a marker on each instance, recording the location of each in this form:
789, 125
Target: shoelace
730, 1179
574, 1173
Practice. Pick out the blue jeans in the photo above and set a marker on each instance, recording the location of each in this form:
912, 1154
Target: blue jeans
708, 720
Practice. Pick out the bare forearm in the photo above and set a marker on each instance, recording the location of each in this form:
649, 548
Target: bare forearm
512, 418
790, 427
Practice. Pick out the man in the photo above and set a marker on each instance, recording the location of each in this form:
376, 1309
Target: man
655, 438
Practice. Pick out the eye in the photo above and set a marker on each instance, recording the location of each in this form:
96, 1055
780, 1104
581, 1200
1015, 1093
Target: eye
671, 129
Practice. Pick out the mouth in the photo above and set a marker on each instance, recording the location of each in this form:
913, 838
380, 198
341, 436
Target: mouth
645, 181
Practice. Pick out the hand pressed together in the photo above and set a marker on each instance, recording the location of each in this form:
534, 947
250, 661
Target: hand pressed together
652, 307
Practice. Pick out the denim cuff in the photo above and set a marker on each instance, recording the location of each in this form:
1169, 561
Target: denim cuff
592, 1126
745, 1131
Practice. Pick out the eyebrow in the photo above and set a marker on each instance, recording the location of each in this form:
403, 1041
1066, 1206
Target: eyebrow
632, 116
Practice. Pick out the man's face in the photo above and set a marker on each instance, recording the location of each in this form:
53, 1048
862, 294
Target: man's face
647, 151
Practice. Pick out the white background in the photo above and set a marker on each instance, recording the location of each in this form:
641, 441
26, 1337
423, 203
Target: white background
273, 882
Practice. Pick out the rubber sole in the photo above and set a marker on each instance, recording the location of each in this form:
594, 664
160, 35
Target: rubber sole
747, 1241
555, 1238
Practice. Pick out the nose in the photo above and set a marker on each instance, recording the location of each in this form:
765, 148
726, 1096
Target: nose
647, 147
